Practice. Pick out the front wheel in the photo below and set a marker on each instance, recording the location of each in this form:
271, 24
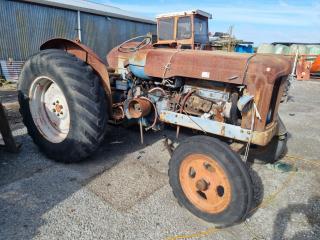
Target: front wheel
274, 150
63, 105
211, 181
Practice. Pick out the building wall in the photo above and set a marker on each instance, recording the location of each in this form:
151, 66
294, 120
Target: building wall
25, 26
104, 33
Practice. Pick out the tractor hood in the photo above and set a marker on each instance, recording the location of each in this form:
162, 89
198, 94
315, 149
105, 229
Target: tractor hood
218, 66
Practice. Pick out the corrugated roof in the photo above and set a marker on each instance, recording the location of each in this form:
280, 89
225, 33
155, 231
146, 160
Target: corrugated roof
197, 11
91, 7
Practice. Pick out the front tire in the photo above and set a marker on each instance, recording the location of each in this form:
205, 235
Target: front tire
211, 181
63, 105
274, 150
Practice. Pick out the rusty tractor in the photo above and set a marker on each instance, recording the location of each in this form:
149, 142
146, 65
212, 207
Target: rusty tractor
68, 95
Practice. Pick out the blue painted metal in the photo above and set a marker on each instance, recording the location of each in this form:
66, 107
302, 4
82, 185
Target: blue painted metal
243, 101
244, 48
206, 125
122, 85
137, 63
138, 71
207, 93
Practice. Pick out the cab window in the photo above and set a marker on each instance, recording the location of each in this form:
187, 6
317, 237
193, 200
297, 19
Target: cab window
166, 28
184, 28
200, 29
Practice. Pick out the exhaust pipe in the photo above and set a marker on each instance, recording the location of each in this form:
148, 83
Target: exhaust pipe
139, 107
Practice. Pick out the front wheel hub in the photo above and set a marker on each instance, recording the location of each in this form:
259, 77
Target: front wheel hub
205, 183
202, 185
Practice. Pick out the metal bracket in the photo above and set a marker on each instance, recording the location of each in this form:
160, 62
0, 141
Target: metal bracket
219, 128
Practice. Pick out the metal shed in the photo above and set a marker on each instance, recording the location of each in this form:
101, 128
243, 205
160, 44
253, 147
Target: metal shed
26, 24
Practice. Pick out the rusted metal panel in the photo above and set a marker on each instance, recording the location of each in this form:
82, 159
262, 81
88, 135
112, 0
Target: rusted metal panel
218, 66
117, 59
207, 65
263, 72
303, 68
139, 107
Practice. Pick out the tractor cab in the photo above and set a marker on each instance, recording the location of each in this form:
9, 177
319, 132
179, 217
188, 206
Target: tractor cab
187, 30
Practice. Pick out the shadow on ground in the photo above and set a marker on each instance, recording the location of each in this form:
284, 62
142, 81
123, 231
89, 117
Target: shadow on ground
46, 184
309, 211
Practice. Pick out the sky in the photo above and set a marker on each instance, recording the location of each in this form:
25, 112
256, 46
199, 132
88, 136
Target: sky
257, 21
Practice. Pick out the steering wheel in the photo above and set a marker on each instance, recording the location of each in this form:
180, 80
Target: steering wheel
138, 45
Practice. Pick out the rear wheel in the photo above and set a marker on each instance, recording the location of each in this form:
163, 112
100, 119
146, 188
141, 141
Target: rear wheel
63, 105
211, 181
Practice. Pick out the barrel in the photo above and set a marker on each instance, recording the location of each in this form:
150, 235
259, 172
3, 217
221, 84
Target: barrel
314, 49
302, 49
266, 48
281, 49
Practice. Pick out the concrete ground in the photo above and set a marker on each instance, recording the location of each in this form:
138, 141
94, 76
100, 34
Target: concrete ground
122, 191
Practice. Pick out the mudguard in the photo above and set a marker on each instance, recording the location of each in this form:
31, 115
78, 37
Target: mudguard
85, 54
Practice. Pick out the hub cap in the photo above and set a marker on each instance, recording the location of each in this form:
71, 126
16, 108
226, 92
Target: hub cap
49, 109
205, 183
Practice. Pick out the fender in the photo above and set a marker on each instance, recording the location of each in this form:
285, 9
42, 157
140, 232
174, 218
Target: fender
85, 54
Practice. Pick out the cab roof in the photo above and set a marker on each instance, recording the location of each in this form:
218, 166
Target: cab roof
198, 12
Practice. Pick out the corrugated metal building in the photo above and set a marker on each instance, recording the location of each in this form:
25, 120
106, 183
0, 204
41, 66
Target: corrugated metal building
25, 25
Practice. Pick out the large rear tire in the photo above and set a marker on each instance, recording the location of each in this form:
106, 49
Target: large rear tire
63, 105
211, 181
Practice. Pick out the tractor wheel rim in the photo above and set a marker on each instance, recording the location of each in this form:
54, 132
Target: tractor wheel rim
49, 109
205, 183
